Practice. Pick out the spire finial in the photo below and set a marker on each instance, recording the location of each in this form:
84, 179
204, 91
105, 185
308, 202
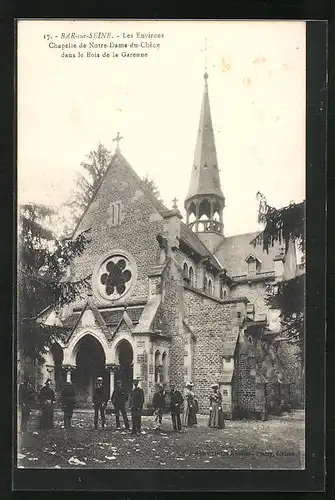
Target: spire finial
174, 201
117, 139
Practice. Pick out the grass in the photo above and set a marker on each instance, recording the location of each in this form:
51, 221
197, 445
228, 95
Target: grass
244, 444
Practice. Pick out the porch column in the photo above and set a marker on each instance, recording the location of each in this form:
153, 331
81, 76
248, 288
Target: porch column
68, 370
112, 369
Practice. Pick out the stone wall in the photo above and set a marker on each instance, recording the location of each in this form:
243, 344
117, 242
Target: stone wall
244, 383
210, 321
255, 293
170, 321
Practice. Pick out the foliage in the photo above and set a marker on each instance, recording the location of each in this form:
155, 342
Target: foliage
289, 298
151, 185
42, 264
88, 181
283, 225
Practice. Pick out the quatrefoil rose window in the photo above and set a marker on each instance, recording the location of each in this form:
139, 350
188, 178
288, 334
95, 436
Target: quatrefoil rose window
115, 277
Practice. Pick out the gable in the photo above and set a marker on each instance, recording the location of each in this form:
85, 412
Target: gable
123, 221
90, 316
235, 252
121, 197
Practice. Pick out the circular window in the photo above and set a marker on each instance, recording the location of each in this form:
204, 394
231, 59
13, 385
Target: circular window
114, 276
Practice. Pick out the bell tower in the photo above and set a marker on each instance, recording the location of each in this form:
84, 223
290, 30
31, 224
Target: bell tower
205, 202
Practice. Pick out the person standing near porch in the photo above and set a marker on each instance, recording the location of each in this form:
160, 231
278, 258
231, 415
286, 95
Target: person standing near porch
176, 400
215, 408
100, 399
119, 400
191, 407
136, 406
46, 399
68, 403
158, 403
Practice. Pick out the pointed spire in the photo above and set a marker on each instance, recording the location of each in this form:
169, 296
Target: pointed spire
205, 177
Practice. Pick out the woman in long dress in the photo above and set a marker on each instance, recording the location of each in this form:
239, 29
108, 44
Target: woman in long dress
46, 398
215, 408
191, 407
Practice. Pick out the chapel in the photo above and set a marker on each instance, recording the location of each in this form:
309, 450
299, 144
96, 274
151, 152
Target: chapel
172, 301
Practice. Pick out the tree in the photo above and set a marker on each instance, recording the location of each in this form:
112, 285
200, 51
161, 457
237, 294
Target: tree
151, 185
88, 181
42, 264
286, 225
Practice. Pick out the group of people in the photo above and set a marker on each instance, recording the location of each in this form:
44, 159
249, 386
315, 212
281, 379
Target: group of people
183, 410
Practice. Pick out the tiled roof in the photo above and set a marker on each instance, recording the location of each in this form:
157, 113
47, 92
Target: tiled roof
114, 317
71, 320
192, 240
229, 342
234, 250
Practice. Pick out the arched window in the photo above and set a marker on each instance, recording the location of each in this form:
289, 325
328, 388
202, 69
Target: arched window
205, 284
165, 368
224, 294
191, 276
210, 287
157, 366
185, 270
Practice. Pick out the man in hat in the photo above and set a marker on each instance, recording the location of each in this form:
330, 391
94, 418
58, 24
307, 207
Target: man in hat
119, 400
26, 401
176, 400
68, 403
136, 406
158, 403
100, 399
46, 399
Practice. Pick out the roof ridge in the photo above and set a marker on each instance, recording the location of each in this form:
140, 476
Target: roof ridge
158, 204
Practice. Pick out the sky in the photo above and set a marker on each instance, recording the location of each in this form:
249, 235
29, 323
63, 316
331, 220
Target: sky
66, 105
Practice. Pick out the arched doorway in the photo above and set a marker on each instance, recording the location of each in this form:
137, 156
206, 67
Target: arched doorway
90, 361
124, 356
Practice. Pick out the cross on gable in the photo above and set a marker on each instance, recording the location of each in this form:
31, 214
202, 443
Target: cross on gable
118, 139
174, 201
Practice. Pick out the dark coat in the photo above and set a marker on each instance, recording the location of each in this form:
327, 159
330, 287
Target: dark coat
68, 396
158, 401
119, 397
46, 394
137, 399
100, 396
176, 400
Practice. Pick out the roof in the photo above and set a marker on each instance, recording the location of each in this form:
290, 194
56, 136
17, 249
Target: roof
72, 321
205, 176
194, 242
229, 342
234, 250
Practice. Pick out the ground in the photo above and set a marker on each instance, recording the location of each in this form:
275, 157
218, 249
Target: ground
243, 444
